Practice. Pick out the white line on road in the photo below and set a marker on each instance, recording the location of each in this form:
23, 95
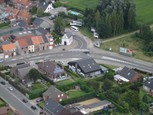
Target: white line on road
113, 59
16, 98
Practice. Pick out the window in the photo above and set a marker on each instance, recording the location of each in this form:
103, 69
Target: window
62, 95
58, 96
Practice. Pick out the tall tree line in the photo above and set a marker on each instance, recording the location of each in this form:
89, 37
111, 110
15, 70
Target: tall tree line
111, 17
146, 35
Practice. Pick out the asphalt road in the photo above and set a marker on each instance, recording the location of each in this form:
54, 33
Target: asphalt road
14, 98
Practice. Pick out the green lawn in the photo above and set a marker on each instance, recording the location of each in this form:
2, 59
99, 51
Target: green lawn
64, 82
80, 4
144, 11
129, 42
75, 93
142, 93
41, 104
38, 88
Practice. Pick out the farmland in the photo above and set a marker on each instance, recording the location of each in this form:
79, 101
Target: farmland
144, 10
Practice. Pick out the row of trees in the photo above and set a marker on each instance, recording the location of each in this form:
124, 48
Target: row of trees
111, 17
146, 35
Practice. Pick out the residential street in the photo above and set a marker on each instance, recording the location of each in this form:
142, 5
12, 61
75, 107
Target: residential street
14, 98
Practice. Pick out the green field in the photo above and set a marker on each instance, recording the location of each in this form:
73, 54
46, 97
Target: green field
80, 4
144, 11
130, 43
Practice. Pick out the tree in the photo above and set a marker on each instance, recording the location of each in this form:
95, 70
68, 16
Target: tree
107, 84
40, 11
145, 98
132, 98
34, 74
57, 39
59, 26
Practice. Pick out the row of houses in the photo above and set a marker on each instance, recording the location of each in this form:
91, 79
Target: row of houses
18, 14
25, 45
55, 72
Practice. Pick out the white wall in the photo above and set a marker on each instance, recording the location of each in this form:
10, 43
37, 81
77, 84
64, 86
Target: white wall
67, 40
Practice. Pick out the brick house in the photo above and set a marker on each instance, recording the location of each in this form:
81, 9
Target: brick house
127, 75
148, 87
9, 50
52, 70
24, 15
22, 4
54, 94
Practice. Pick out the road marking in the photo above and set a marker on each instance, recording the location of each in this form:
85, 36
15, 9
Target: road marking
113, 59
17, 98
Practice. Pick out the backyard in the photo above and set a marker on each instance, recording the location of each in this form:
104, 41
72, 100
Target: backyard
75, 93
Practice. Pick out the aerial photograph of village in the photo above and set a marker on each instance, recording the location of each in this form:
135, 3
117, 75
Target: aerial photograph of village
76, 57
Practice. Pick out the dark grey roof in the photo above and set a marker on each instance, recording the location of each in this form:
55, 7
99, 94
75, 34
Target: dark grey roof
41, 30
149, 84
45, 25
50, 67
94, 105
53, 92
54, 107
22, 23
127, 73
37, 21
87, 65
44, 6
24, 71
45, 38
69, 34
29, 41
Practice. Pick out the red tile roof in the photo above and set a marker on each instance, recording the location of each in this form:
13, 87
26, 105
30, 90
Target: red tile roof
7, 47
23, 43
9, 9
37, 40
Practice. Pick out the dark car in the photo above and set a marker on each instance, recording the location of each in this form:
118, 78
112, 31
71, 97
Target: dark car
25, 101
33, 107
3, 83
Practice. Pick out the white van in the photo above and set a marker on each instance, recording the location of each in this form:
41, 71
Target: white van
74, 28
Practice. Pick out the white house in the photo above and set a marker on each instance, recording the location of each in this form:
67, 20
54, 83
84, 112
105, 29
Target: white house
67, 39
48, 8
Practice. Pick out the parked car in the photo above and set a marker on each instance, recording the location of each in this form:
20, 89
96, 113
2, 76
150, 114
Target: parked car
10, 88
25, 100
3, 83
39, 99
33, 107
96, 35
